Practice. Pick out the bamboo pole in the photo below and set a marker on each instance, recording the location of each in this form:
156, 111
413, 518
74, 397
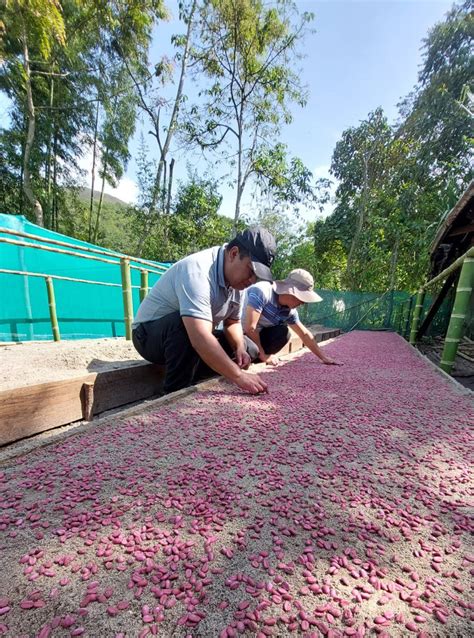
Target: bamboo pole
16, 242
407, 322
458, 316
7, 271
97, 251
454, 266
420, 298
398, 317
52, 309
143, 284
127, 297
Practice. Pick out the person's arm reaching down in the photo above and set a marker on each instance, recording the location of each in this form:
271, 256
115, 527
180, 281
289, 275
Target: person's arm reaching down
235, 336
211, 352
250, 328
308, 340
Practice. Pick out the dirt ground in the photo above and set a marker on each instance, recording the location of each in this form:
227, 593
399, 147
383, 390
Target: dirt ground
463, 370
338, 504
28, 363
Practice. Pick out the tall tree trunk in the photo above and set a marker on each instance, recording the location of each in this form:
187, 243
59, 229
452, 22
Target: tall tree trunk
20, 183
30, 136
240, 181
48, 220
393, 264
392, 280
164, 149
101, 199
94, 156
54, 220
360, 223
170, 184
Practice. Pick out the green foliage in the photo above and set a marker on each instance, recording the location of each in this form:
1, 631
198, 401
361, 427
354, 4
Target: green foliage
192, 224
195, 223
287, 183
247, 50
396, 182
76, 52
433, 115
38, 21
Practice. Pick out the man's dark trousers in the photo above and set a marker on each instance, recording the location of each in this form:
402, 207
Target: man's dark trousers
166, 341
274, 338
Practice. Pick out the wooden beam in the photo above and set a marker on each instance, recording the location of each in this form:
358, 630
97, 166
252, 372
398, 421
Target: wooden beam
437, 303
36, 408
461, 231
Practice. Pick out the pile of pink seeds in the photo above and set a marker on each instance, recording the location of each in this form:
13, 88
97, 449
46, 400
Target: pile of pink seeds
336, 505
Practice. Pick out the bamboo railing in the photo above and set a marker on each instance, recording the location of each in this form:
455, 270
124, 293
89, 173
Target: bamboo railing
118, 259
460, 309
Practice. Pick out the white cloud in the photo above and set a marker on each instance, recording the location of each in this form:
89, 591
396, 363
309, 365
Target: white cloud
126, 190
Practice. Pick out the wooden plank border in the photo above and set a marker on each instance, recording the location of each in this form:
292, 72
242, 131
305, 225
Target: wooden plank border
33, 409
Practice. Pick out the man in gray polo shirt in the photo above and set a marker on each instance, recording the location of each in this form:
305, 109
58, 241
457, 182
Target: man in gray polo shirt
176, 323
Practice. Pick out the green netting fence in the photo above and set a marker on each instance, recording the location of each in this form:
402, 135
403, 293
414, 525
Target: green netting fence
391, 310
84, 310
88, 310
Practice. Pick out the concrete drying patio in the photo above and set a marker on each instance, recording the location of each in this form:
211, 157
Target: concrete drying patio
336, 505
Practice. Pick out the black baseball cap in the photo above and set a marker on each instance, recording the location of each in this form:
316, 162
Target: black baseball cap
262, 248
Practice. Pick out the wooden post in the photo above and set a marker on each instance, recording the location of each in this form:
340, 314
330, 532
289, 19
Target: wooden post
458, 315
435, 306
127, 296
143, 284
416, 315
87, 401
52, 309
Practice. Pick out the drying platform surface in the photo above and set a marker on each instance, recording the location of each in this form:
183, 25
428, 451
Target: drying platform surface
337, 505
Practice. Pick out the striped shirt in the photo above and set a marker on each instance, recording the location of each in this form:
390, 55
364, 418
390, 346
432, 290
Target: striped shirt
264, 299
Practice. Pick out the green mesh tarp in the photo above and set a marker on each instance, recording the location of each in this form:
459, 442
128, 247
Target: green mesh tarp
372, 311
92, 310
84, 310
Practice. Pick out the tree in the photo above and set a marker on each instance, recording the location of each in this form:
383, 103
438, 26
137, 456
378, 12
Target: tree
192, 222
287, 183
247, 52
358, 163
66, 81
195, 223
432, 112
155, 107
32, 25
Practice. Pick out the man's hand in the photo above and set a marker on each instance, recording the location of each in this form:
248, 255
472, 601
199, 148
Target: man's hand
251, 383
272, 360
330, 362
242, 358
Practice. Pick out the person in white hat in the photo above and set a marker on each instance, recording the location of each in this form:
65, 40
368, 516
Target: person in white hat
269, 309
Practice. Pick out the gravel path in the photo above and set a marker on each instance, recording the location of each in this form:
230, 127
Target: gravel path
336, 505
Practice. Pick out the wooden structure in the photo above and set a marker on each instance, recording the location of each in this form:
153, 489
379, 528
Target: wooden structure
455, 233
455, 236
29, 410
452, 262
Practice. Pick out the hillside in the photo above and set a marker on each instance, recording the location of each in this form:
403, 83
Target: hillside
84, 195
114, 220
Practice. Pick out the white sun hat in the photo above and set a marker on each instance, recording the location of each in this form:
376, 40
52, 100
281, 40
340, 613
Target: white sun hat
299, 283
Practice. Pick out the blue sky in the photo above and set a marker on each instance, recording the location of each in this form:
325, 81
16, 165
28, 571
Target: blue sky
361, 56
